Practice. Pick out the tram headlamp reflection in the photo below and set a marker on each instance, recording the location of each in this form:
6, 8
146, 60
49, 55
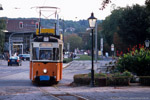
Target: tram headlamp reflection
44, 71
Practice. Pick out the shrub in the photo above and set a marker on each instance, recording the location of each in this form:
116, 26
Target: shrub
127, 74
137, 62
82, 79
145, 80
119, 81
101, 79
67, 60
98, 75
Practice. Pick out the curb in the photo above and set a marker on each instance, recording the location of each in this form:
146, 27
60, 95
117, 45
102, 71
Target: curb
66, 65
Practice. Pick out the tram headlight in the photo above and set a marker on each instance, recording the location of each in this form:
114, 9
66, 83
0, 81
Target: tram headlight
44, 71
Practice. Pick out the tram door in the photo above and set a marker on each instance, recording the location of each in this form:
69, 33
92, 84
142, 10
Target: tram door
17, 48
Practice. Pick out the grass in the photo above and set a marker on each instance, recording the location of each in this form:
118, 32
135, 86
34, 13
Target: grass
85, 57
67, 60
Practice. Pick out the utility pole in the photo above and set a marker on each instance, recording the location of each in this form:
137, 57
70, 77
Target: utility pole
101, 47
96, 53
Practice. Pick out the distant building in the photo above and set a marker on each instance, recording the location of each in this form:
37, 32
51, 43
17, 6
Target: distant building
17, 35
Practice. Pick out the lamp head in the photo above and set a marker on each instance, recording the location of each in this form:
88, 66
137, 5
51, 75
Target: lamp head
92, 21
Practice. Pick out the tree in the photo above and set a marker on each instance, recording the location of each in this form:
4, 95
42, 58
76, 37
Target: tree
109, 27
129, 25
133, 25
74, 40
106, 2
2, 35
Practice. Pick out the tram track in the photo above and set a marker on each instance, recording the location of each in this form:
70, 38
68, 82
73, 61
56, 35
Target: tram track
63, 95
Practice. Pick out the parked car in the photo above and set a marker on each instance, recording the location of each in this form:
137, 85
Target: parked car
14, 60
24, 56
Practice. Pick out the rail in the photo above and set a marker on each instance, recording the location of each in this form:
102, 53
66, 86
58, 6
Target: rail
63, 95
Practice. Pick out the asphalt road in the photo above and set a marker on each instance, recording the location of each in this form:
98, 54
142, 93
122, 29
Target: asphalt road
15, 85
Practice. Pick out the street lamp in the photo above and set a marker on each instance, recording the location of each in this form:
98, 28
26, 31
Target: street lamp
1, 8
147, 43
92, 22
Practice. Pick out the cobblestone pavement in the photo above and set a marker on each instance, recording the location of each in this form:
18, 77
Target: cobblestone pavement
17, 86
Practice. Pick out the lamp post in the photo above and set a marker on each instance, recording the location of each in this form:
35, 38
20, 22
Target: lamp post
1, 8
147, 43
92, 22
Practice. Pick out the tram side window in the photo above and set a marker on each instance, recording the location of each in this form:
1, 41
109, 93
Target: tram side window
35, 54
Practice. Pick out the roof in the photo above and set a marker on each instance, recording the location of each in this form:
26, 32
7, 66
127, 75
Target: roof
29, 25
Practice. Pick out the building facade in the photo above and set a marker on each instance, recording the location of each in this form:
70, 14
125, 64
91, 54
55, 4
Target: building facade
18, 35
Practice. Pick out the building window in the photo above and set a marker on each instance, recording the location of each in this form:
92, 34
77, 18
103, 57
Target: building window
20, 24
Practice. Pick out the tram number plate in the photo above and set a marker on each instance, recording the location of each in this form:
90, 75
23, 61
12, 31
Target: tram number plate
44, 78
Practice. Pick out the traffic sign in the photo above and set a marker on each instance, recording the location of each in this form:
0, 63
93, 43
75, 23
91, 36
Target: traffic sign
112, 47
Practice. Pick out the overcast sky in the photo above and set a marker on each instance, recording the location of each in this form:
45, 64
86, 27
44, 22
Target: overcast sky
70, 9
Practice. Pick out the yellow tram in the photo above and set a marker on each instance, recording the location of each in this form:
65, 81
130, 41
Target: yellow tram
46, 56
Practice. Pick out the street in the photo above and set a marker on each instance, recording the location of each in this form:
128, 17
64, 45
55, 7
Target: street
15, 85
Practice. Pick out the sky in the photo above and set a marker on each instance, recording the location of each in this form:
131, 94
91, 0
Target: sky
69, 9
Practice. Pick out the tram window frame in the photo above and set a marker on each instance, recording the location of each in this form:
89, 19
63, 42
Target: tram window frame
35, 55
56, 53
61, 52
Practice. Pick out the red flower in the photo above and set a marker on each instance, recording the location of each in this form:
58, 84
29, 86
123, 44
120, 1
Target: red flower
132, 53
139, 45
136, 46
128, 49
121, 53
133, 49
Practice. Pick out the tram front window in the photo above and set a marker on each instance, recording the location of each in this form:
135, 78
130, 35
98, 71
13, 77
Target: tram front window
45, 54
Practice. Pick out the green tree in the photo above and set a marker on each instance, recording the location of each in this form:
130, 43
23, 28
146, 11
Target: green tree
2, 35
133, 25
126, 26
109, 27
74, 40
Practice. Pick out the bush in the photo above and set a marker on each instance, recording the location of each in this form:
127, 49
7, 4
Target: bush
98, 75
102, 79
82, 79
118, 81
145, 80
137, 62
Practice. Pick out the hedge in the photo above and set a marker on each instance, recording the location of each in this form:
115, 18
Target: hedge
85, 79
